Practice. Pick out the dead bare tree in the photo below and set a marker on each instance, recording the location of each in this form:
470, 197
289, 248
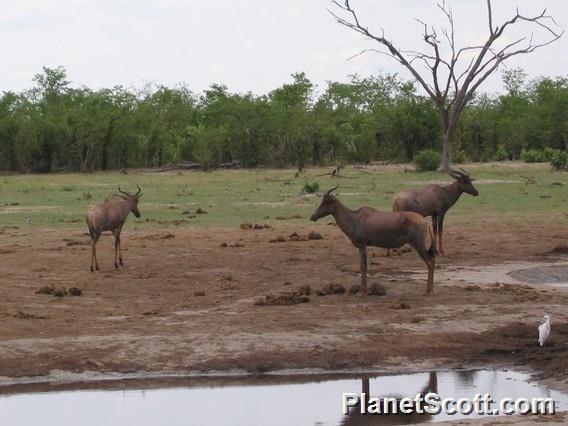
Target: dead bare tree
451, 80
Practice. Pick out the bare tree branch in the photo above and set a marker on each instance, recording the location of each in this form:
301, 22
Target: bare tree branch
457, 88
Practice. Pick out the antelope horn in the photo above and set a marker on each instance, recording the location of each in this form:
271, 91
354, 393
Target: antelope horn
139, 191
122, 192
331, 190
461, 172
465, 172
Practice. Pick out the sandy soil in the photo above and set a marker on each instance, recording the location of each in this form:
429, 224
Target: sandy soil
184, 303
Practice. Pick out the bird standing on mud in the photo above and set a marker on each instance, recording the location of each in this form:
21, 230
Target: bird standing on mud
544, 330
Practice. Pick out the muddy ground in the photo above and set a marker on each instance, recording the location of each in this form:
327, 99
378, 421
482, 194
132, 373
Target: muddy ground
186, 302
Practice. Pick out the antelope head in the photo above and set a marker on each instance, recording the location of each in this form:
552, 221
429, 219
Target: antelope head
327, 205
132, 199
464, 180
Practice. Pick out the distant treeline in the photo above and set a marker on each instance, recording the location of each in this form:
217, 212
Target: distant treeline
53, 126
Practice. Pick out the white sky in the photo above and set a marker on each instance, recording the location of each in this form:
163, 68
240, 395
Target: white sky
249, 45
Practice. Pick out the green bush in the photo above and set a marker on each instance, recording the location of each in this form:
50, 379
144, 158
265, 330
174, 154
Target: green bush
428, 160
549, 153
533, 156
559, 160
501, 154
311, 187
460, 157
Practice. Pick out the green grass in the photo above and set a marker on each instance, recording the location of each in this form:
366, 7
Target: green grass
236, 196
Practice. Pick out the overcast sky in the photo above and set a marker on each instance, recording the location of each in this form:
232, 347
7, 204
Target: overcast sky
249, 45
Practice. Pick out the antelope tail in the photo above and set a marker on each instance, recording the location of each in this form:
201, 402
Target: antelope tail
89, 218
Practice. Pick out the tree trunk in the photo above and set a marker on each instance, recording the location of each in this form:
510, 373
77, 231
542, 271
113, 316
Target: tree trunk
447, 140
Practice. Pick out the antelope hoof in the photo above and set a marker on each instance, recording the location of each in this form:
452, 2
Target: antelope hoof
120, 262
116, 266
92, 269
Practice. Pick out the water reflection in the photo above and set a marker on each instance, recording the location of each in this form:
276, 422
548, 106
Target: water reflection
253, 400
355, 418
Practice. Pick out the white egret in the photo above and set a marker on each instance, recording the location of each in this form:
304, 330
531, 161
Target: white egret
544, 330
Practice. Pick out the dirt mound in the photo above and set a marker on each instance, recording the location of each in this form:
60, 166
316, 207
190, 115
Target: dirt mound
331, 289
376, 289
294, 216
165, 236
294, 236
373, 289
59, 291
401, 306
76, 220
174, 222
25, 315
70, 242
254, 226
75, 291
559, 249
46, 289
284, 299
278, 239
235, 245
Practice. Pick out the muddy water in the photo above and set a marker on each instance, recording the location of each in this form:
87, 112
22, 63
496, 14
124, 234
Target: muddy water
556, 275
550, 274
267, 400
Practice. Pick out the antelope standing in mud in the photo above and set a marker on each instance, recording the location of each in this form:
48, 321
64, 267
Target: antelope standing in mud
435, 200
110, 216
369, 227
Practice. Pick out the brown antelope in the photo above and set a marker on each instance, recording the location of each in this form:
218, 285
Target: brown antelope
435, 200
369, 227
110, 216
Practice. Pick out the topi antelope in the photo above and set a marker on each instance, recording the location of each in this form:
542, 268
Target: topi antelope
369, 227
435, 200
110, 216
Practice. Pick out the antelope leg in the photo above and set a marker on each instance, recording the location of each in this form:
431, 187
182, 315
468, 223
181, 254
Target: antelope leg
94, 251
363, 261
441, 231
